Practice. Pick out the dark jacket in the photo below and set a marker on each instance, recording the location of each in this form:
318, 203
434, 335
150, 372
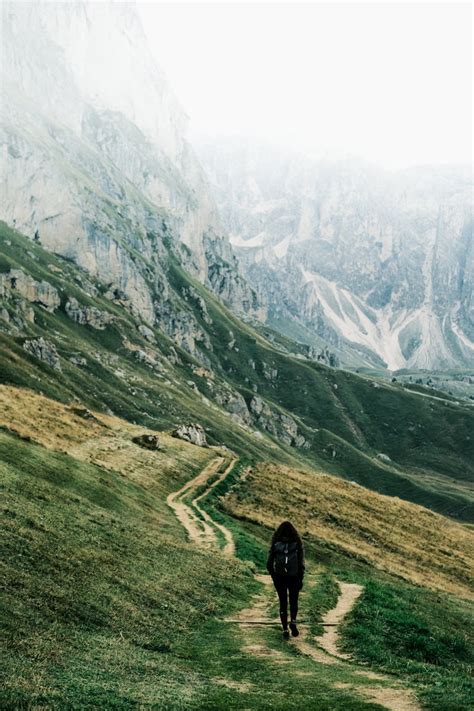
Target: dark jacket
271, 556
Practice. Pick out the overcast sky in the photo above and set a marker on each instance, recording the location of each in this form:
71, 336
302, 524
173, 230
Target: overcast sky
390, 82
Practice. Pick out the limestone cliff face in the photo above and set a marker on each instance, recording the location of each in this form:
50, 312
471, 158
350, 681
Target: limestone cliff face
380, 265
95, 157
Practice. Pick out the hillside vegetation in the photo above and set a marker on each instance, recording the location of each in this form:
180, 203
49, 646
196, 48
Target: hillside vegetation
250, 394
397, 537
108, 605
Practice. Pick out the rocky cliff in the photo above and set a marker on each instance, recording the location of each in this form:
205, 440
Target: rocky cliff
95, 163
378, 264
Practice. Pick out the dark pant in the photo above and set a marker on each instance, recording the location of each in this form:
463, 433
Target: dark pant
287, 585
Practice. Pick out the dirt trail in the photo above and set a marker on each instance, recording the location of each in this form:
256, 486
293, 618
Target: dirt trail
229, 546
350, 593
387, 694
202, 528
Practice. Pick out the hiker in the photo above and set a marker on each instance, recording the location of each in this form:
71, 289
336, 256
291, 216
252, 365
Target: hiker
286, 566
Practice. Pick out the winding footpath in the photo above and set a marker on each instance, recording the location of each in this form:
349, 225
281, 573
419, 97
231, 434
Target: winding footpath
203, 530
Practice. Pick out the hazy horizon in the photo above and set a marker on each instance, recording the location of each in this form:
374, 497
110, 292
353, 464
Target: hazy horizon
388, 83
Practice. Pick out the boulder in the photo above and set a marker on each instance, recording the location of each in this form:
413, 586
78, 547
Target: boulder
147, 441
145, 358
78, 360
84, 413
233, 402
258, 407
383, 457
146, 333
193, 433
43, 350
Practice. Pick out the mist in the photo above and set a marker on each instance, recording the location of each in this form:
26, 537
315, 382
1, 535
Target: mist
391, 83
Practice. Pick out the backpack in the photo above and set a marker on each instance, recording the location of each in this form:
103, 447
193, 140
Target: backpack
285, 561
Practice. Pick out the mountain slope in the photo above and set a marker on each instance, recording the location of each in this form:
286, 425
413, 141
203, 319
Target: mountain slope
97, 165
201, 363
379, 265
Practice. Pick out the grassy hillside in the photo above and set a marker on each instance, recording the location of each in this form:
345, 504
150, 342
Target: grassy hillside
106, 604
347, 421
398, 537
414, 617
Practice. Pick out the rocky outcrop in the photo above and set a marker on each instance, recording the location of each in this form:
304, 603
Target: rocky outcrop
96, 165
193, 433
192, 295
43, 350
88, 315
235, 404
148, 359
146, 333
78, 360
17, 283
281, 426
183, 329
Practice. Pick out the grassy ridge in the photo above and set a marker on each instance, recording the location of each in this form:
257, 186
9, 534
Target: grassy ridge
99, 588
397, 537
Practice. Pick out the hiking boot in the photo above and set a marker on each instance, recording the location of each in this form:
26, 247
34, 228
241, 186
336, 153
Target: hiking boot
294, 629
286, 634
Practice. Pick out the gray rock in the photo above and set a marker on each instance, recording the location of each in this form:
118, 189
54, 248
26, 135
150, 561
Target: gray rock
44, 351
193, 433
233, 402
280, 425
383, 457
146, 333
78, 360
88, 315
146, 359
269, 372
39, 292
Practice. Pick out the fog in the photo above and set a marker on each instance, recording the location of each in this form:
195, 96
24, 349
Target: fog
388, 82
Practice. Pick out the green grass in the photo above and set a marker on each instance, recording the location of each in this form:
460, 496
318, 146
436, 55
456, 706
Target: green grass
106, 606
98, 588
425, 637
322, 597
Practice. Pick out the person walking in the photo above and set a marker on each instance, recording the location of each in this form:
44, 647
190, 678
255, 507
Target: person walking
285, 564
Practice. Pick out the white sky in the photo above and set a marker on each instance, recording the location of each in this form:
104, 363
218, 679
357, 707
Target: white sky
390, 82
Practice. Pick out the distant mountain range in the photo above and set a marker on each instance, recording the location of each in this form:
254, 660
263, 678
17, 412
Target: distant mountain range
378, 264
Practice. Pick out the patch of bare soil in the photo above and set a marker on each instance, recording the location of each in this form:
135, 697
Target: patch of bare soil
200, 531
350, 592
